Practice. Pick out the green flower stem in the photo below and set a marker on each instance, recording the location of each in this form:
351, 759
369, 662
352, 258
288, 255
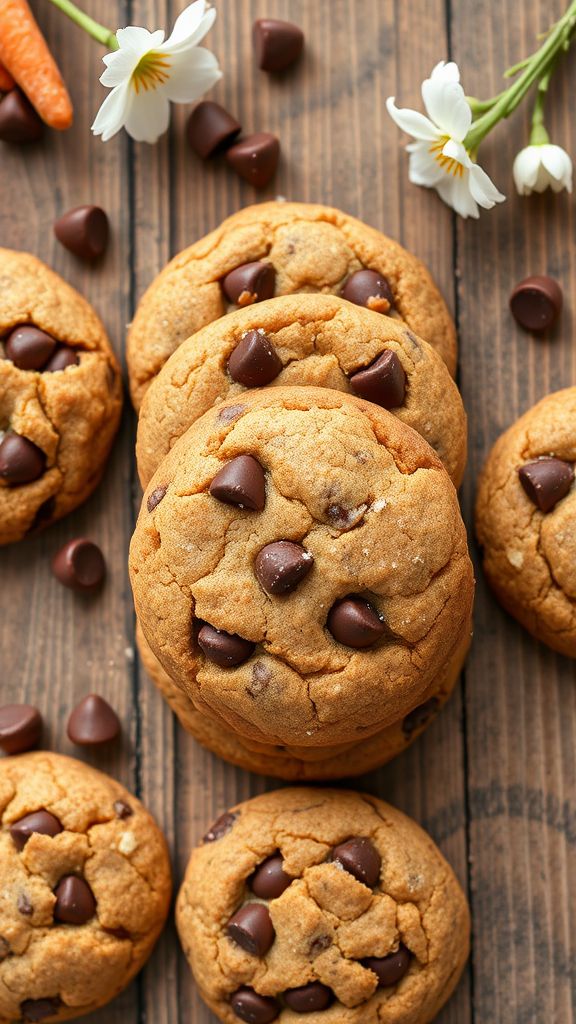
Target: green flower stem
98, 32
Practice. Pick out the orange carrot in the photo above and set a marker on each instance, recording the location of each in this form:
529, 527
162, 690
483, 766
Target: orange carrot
6, 81
25, 55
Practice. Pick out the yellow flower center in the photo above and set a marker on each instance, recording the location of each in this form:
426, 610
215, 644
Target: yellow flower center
447, 163
151, 71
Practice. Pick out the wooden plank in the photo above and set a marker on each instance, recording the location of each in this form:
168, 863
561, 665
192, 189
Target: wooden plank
520, 697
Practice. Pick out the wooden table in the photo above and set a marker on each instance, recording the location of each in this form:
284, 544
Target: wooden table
494, 778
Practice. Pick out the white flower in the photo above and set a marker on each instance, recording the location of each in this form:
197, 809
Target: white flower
540, 167
438, 158
145, 73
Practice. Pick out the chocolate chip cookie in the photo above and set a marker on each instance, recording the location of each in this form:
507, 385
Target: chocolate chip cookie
60, 396
526, 520
300, 566
322, 902
310, 340
280, 249
305, 763
84, 887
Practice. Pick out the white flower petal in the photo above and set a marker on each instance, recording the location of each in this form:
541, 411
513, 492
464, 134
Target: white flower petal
423, 168
191, 26
483, 189
149, 116
411, 122
525, 169
456, 193
139, 39
120, 66
456, 151
446, 71
447, 107
557, 163
113, 112
191, 75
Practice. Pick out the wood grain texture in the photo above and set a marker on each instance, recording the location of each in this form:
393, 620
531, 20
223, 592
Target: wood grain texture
494, 777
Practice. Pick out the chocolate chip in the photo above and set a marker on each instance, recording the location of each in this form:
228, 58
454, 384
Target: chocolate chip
308, 998
241, 482
270, 880
253, 1008
355, 623
23, 905
255, 158
43, 822
389, 969
19, 122
44, 514
80, 565
251, 928
345, 518
278, 44
418, 717
546, 481
383, 382
29, 348
20, 727
221, 827
536, 302
319, 944
39, 1009
93, 722
122, 809
370, 289
84, 231
249, 283
211, 128
360, 858
279, 567
254, 362
224, 649
63, 357
21, 461
75, 903
155, 498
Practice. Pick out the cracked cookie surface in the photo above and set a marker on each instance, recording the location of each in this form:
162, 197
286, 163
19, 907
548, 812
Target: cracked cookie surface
363, 909
84, 887
312, 248
319, 340
388, 592
529, 552
69, 415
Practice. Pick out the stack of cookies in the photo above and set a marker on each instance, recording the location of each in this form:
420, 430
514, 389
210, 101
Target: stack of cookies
299, 566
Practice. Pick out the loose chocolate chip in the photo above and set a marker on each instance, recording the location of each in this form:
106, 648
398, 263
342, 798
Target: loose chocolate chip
80, 565
546, 481
21, 461
75, 903
19, 122
20, 727
24, 906
249, 283
155, 498
280, 566
383, 382
122, 809
389, 969
255, 158
44, 822
418, 717
251, 928
360, 858
536, 303
221, 827
93, 722
368, 288
224, 649
308, 998
211, 128
253, 1008
39, 1009
270, 880
84, 231
355, 623
63, 357
29, 348
241, 482
254, 362
278, 44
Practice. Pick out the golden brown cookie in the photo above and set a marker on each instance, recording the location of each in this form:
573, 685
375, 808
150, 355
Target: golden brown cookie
60, 396
320, 608
526, 520
84, 887
301, 247
305, 763
318, 340
326, 903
